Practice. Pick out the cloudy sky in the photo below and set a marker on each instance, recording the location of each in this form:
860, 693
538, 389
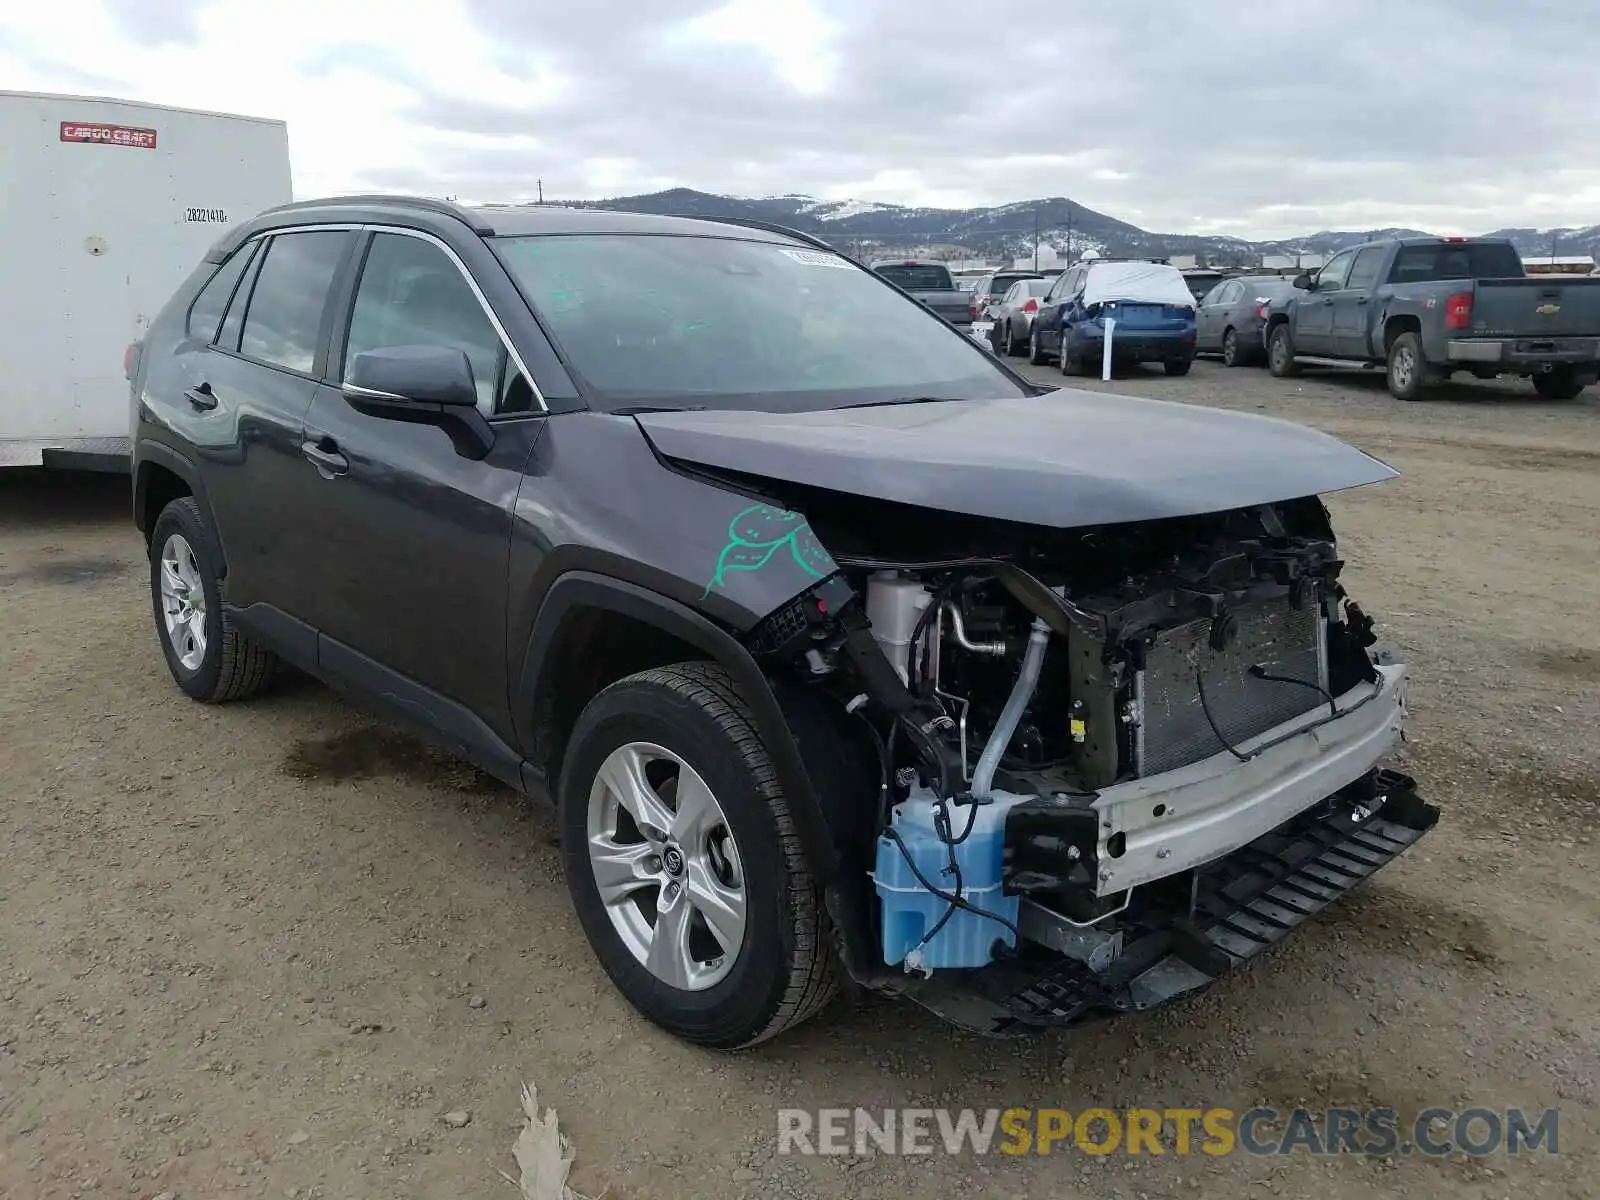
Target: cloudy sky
1207, 116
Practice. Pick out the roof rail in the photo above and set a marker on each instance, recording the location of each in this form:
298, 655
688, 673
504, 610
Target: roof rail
441, 208
771, 227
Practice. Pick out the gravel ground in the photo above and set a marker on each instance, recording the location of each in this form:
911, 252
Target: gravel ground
263, 949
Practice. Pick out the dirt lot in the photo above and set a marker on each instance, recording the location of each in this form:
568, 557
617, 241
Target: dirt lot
261, 949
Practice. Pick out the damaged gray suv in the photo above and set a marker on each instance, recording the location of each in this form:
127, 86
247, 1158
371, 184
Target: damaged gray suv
840, 648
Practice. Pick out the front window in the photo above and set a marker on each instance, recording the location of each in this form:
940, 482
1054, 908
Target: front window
678, 321
411, 294
1331, 277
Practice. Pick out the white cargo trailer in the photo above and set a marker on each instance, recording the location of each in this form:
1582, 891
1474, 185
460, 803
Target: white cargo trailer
105, 207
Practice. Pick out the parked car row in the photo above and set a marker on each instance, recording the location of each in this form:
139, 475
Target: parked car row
1422, 309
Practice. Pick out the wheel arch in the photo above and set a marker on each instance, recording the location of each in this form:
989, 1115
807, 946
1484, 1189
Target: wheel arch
162, 475
1396, 324
578, 603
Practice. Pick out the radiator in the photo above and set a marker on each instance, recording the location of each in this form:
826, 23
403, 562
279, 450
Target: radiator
1173, 730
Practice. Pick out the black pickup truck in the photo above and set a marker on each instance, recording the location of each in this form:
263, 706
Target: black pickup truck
1425, 308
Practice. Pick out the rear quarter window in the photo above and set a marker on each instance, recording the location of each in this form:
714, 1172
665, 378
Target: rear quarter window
205, 314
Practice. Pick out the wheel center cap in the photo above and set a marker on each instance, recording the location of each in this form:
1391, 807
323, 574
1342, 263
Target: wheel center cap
672, 860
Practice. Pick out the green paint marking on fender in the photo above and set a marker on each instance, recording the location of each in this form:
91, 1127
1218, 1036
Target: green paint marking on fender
763, 532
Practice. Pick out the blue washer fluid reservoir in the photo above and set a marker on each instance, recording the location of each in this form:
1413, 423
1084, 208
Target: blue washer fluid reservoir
910, 910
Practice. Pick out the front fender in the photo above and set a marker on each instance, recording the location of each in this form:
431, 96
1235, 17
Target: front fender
582, 589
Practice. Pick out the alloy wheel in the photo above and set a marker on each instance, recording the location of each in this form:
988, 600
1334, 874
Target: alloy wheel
1404, 367
666, 866
183, 602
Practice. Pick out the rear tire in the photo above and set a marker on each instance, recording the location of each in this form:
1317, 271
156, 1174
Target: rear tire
1008, 343
1177, 366
211, 660
1070, 363
783, 968
1280, 353
1408, 372
1036, 355
1230, 349
1560, 384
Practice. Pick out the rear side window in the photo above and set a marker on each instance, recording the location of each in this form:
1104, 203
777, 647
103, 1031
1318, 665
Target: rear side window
233, 323
1365, 271
283, 324
205, 314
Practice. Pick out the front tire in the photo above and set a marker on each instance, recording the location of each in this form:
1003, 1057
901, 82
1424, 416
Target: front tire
210, 659
1280, 353
684, 864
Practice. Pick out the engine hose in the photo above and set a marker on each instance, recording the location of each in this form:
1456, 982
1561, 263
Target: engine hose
1011, 715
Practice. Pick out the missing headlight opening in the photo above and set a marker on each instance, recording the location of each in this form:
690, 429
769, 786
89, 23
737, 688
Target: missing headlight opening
1113, 761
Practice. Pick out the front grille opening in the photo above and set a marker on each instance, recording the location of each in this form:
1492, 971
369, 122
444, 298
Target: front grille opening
1277, 637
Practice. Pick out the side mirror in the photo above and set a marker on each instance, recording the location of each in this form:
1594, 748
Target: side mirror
421, 385
1303, 282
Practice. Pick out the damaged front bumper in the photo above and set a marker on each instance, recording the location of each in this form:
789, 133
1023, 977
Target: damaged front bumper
1154, 827
1240, 904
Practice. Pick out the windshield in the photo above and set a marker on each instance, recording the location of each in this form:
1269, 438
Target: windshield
917, 277
676, 321
1470, 260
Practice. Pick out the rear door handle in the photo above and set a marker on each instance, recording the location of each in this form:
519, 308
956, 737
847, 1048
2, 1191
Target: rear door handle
201, 396
1362, 299
325, 456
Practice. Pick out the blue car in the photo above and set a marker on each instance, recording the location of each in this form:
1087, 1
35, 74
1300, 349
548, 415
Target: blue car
1150, 304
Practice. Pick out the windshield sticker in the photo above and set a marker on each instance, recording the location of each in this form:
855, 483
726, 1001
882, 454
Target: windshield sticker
763, 532
818, 258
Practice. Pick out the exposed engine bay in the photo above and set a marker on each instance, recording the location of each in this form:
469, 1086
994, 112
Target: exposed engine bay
1081, 731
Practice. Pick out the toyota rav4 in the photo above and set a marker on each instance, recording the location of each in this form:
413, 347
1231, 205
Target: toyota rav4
839, 648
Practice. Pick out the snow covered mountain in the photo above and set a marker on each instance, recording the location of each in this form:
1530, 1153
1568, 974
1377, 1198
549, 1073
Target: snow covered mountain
867, 228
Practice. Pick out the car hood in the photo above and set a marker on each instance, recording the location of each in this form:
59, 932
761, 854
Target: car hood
1064, 459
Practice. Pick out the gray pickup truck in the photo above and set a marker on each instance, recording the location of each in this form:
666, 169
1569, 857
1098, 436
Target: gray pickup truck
931, 284
1425, 308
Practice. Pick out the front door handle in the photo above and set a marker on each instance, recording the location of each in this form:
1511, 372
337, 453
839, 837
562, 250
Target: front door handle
1362, 299
201, 396
325, 456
